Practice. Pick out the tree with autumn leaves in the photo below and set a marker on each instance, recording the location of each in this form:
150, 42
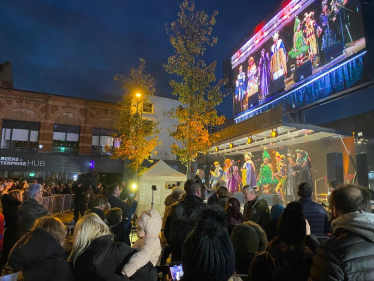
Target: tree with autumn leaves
136, 137
195, 84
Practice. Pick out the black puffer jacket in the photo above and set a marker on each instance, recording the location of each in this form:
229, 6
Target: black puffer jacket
349, 253
182, 218
103, 260
28, 212
40, 258
316, 216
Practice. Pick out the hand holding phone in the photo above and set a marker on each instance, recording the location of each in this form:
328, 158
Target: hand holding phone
176, 271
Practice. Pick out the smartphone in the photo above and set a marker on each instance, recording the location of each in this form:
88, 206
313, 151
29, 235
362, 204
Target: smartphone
176, 271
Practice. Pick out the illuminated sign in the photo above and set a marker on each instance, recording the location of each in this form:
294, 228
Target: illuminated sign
305, 40
31, 174
16, 161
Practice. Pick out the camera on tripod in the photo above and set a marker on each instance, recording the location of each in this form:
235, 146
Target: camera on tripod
154, 187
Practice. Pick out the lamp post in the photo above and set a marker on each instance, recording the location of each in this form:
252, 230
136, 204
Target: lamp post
138, 97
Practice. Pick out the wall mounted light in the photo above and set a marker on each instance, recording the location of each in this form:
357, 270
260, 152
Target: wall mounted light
274, 133
231, 145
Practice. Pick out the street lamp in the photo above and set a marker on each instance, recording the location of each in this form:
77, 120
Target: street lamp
138, 95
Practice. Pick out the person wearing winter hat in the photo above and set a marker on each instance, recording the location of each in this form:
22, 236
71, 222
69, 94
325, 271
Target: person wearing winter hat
287, 257
247, 238
207, 251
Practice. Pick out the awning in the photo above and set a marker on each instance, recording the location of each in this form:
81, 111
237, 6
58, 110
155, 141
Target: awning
234, 140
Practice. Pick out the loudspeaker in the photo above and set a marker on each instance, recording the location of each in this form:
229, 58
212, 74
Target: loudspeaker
362, 169
303, 71
268, 197
335, 167
277, 86
332, 52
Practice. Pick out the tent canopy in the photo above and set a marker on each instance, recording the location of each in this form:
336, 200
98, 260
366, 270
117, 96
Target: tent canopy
163, 170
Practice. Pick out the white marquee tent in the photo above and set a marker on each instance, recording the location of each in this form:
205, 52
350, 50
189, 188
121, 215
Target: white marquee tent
160, 175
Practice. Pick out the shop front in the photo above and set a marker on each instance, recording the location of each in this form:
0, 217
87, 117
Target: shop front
42, 166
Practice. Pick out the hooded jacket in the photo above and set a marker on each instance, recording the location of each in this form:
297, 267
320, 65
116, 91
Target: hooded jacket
28, 212
103, 261
349, 253
40, 258
148, 245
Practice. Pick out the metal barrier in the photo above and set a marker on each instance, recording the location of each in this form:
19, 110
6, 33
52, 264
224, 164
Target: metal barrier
59, 203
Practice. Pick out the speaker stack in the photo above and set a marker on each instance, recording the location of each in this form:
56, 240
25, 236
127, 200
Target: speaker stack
362, 169
335, 167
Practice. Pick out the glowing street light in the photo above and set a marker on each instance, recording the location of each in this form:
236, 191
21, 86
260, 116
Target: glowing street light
138, 95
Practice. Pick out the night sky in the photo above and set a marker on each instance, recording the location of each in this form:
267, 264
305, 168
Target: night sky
75, 48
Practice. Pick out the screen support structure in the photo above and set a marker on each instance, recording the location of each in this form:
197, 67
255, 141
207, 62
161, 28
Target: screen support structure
350, 158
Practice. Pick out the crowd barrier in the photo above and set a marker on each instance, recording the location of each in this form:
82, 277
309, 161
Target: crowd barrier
59, 203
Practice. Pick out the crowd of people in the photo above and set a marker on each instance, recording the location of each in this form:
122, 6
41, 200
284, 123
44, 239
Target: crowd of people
211, 239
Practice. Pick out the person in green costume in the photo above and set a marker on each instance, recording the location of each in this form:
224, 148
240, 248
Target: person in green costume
265, 177
299, 47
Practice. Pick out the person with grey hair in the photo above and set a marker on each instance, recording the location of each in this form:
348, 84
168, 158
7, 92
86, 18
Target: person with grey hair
31, 209
256, 209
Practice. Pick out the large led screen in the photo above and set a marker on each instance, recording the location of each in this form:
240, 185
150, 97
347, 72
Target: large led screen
304, 39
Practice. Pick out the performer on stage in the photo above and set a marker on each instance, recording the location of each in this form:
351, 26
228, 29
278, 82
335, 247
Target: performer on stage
252, 86
264, 75
311, 31
328, 36
278, 63
299, 47
249, 171
265, 178
303, 167
292, 179
217, 174
281, 174
231, 176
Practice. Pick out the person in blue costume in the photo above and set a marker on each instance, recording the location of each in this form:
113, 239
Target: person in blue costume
249, 171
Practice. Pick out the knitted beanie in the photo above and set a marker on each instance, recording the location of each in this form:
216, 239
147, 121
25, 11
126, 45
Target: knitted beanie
245, 239
291, 227
207, 251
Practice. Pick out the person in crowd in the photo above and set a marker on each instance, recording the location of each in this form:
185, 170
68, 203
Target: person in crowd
113, 217
124, 191
39, 254
80, 200
234, 216
148, 227
183, 217
10, 203
333, 185
176, 195
207, 251
287, 256
256, 209
7, 185
213, 199
100, 205
120, 232
247, 239
313, 212
95, 257
67, 189
349, 253
277, 207
223, 196
31, 209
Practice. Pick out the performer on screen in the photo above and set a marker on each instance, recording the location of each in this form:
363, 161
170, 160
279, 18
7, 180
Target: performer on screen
303, 167
281, 174
264, 75
252, 86
249, 171
278, 63
328, 36
231, 176
217, 174
311, 31
241, 86
299, 47
265, 178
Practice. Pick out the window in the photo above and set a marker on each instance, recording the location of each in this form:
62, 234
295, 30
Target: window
100, 138
213, 129
20, 135
66, 139
147, 107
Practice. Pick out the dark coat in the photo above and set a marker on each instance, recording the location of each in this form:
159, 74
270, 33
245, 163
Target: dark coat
275, 264
316, 216
28, 212
96, 211
103, 260
257, 211
349, 253
40, 258
182, 218
121, 234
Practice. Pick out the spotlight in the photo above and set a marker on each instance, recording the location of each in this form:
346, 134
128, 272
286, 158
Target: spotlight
134, 186
250, 140
231, 145
216, 149
274, 133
